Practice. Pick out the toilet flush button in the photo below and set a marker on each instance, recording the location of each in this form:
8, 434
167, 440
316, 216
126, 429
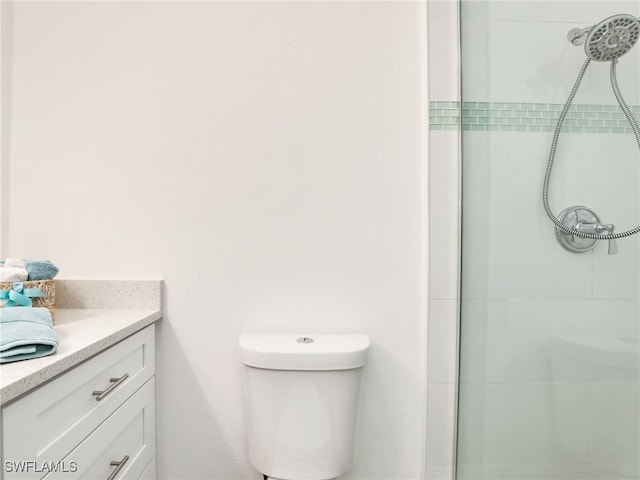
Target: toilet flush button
304, 340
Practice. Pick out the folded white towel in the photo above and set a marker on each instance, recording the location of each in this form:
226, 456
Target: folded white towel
14, 270
15, 262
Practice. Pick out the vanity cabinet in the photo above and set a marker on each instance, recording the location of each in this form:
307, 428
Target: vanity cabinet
95, 421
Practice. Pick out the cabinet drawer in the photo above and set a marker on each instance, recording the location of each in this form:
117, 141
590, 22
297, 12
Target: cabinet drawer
128, 433
46, 424
150, 471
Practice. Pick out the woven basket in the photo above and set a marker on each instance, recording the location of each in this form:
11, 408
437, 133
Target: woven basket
47, 287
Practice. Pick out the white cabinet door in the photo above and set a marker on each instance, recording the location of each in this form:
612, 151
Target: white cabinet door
126, 437
149, 472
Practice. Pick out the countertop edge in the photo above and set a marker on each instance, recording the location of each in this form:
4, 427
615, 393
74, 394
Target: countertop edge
25, 384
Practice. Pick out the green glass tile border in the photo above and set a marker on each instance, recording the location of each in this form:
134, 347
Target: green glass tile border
528, 117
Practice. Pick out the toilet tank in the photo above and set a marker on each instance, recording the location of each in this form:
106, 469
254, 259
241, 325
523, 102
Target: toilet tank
301, 396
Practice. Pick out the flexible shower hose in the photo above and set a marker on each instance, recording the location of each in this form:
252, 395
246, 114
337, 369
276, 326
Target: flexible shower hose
554, 145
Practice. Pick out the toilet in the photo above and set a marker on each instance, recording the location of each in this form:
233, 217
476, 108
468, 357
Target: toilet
300, 398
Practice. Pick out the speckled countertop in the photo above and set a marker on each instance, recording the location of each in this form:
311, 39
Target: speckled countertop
93, 316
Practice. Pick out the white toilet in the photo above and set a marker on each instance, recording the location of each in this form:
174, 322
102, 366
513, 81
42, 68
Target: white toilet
301, 396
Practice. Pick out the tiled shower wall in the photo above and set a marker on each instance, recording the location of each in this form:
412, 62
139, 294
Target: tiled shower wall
517, 417
444, 240
528, 117
519, 286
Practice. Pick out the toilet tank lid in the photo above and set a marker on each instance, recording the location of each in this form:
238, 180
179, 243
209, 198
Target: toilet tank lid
304, 352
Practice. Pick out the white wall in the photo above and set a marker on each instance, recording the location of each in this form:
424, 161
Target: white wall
268, 161
6, 40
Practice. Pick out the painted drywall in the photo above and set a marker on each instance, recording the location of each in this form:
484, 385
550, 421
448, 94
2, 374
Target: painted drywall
268, 161
6, 42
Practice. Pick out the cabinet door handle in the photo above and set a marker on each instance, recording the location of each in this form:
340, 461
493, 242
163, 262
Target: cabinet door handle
118, 466
115, 382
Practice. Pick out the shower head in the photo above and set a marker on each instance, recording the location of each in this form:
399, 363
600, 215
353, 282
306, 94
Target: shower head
612, 38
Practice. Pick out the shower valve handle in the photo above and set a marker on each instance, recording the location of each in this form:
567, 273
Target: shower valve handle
600, 229
607, 230
613, 245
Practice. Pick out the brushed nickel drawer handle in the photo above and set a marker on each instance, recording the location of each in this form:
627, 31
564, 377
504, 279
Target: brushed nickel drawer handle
118, 466
116, 381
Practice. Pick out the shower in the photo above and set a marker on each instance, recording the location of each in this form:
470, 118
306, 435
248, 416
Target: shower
578, 228
610, 39
549, 340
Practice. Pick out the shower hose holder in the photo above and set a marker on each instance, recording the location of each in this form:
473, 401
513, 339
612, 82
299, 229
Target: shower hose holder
585, 220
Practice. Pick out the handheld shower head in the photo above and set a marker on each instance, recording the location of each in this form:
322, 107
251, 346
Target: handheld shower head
612, 38
607, 41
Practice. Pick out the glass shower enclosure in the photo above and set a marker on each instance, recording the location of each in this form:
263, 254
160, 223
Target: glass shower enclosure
549, 337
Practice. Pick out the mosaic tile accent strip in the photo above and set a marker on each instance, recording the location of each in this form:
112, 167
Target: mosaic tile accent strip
528, 117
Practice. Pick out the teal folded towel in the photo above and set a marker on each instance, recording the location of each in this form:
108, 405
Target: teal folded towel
26, 333
38, 269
